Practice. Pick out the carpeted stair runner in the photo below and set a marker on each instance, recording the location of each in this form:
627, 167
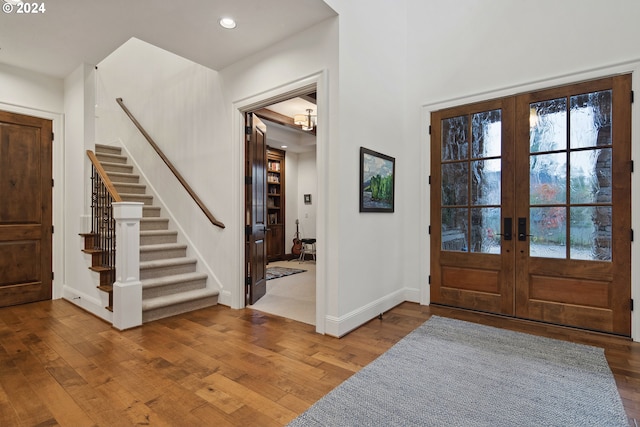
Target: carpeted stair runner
170, 282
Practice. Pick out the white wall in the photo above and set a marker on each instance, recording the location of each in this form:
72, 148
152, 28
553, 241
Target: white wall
301, 178
80, 284
24, 88
373, 90
474, 46
291, 195
307, 184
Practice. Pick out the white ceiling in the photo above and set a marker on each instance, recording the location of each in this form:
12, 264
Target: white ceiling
72, 32
292, 107
286, 138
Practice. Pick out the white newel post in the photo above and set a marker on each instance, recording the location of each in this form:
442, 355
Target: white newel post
127, 289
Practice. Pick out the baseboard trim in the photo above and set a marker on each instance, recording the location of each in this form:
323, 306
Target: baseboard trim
88, 303
340, 326
224, 298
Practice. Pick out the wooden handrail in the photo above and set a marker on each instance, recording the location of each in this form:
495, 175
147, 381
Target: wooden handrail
184, 183
105, 178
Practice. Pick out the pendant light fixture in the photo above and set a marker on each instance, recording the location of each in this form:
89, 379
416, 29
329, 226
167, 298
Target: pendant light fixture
306, 121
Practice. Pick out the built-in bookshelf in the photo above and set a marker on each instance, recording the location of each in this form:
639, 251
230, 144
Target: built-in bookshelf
275, 204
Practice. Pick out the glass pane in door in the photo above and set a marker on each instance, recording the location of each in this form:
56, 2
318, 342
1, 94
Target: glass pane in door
548, 178
455, 228
591, 176
455, 143
485, 230
570, 183
471, 182
591, 119
548, 232
548, 125
487, 134
455, 185
591, 233
485, 182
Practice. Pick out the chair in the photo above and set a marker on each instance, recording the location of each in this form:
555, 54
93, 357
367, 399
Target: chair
308, 247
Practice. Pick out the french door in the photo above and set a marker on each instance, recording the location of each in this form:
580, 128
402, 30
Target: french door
531, 213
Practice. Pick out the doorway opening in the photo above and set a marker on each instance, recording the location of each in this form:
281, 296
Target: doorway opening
281, 206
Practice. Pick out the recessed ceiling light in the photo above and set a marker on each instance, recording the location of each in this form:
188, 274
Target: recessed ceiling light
228, 23
283, 146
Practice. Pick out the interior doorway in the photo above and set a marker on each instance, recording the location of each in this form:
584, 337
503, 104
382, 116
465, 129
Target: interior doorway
287, 197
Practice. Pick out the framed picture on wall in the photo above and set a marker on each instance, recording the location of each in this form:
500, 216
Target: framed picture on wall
307, 199
377, 181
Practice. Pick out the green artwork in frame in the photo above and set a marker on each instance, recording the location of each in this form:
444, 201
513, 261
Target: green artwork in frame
377, 180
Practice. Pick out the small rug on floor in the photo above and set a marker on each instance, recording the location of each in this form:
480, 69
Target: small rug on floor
454, 373
276, 272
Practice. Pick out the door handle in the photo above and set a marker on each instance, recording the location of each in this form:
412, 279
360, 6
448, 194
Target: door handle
522, 229
508, 224
506, 228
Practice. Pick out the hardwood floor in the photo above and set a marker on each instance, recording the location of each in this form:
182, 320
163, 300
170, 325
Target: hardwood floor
213, 367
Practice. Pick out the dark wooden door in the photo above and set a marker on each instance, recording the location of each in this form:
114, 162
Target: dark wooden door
25, 209
255, 209
531, 212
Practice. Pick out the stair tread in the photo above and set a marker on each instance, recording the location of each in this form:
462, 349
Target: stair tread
92, 251
116, 164
168, 262
128, 184
177, 298
115, 175
112, 155
108, 147
174, 278
100, 268
162, 247
144, 196
154, 219
157, 232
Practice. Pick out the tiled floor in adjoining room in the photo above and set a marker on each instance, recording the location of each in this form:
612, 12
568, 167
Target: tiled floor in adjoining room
293, 297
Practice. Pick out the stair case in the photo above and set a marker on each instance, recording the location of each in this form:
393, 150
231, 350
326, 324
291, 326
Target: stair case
170, 283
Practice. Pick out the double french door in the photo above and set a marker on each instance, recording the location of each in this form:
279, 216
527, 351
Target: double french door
531, 211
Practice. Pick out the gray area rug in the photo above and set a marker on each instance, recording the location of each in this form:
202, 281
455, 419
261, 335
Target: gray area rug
454, 373
275, 272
